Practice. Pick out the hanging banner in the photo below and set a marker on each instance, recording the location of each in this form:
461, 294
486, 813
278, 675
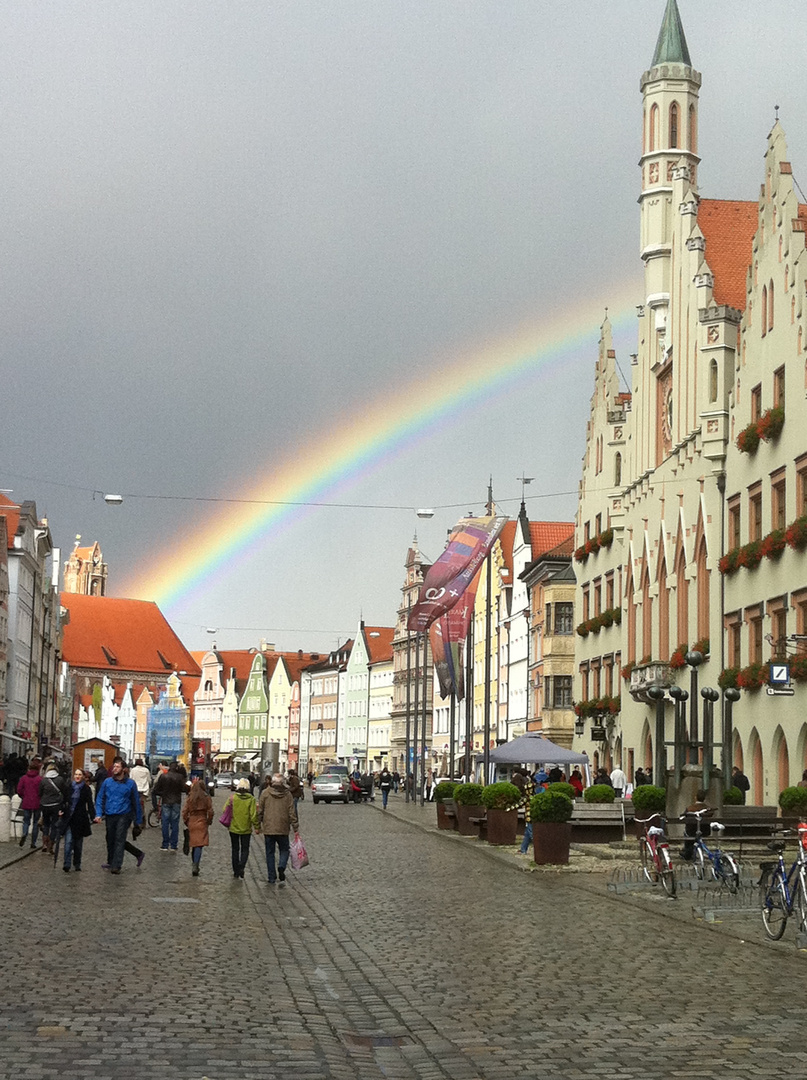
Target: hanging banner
448, 635
447, 580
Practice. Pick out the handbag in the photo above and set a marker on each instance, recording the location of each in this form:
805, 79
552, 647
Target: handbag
186, 842
226, 818
299, 856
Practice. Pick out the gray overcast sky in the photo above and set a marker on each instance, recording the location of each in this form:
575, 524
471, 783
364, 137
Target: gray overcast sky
228, 226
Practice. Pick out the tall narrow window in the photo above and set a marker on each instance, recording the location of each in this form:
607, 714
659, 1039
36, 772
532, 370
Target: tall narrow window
673, 126
734, 522
617, 469
703, 590
801, 487
755, 513
713, 381
663, 613
647, 617
631, 621
779, 388
682, 598
653, 127
764, 319
754, 616
756, 402
770, 306
778, 500
693, 129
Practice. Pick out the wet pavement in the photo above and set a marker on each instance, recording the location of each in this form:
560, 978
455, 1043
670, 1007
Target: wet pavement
398, 953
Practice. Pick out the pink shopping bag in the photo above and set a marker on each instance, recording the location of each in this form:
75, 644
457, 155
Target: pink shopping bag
299, 856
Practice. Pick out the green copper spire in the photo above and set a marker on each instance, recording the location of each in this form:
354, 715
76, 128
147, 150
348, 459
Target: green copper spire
671, 47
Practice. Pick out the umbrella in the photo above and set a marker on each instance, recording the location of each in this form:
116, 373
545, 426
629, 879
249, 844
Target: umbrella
535, 749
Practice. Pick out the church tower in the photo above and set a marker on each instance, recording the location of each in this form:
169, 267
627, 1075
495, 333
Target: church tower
669, 142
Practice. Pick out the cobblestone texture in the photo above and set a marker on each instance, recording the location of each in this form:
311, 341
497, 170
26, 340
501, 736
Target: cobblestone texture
398, 953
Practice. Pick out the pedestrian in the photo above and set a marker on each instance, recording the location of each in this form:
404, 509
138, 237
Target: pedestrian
52, 792
197, 814
142, 777
385, 783
101, 773
76, 820
296, 788
741, 781
396, 780
309, 777
555, 775
640, 779
170, 788
527, 793
244, 820
619, 781
577, 782
118, 803
429, 785
28, 791
693, 825
276, 817
802, 782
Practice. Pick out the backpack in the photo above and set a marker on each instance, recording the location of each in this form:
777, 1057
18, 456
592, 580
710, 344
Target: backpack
52, 798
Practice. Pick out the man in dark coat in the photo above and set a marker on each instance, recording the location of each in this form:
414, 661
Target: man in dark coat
76, 820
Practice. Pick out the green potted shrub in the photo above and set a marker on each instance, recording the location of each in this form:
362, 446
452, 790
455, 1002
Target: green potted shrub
793, 801
732, 796
468, 798
649, 799
501, 801
563, 788
551, 813
444, 794
599, 793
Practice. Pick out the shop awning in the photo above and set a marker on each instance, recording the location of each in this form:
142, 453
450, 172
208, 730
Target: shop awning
245, 756
223, 757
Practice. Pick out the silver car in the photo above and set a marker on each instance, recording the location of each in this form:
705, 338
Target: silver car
330, 787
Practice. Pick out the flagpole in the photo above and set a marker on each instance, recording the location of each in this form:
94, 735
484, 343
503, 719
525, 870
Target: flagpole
469, 700
488, 606
417, 717
408, 699
452, 733
423, 721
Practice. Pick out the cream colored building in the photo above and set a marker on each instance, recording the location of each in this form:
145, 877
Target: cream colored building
665, 492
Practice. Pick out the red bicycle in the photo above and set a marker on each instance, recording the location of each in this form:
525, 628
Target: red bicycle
654, 854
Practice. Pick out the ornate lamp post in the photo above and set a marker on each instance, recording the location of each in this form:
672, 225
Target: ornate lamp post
730, 695
680, 697
657, 694
694, 660
710, 696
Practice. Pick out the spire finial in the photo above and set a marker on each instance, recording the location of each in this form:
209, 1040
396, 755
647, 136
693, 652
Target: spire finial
671, 47
776, 110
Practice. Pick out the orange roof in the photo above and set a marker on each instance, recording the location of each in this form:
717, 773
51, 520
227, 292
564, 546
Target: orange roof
547, 535
379, 643
728, 228
11, 512
122, 635
507, 538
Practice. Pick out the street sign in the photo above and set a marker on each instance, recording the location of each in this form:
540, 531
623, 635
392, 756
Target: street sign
780, 691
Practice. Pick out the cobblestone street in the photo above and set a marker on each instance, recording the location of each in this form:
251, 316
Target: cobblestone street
397, 953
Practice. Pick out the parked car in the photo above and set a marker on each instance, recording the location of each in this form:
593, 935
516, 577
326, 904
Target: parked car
224, 779
329, 787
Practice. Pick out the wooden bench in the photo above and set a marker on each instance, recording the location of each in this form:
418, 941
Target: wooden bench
601, 823
750, 825
481, 825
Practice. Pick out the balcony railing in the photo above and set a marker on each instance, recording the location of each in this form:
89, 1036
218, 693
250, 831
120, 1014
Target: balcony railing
644, 676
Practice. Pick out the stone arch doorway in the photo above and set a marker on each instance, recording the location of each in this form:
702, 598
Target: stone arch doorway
737, 753
782, 758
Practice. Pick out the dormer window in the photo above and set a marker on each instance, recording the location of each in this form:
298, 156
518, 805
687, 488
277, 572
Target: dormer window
110, 656
165, 663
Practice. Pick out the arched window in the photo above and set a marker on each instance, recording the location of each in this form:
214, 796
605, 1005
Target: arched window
653, 127
631, 620
703, 590
693, 129
781, 241
647, 617
764, 319
673, 126
663, 613
682, 598
792, 309
787, 275
713, 381
770, 306
617, 469
644, 131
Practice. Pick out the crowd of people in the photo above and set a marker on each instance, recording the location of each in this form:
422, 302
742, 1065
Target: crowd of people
63, 808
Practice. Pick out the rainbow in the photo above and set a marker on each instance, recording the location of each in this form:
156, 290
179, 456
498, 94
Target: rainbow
383, 430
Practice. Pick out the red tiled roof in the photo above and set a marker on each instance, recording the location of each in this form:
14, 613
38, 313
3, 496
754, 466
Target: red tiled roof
547, 535
507, 538
11, 512
728, 228
566, 548
379, 642
122, 635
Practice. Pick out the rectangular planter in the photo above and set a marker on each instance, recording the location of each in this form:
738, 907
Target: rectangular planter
502, 825
464, 814
444, 820
550, 841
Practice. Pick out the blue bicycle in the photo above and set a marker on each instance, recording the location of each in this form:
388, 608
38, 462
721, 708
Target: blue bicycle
722, 866
782, 892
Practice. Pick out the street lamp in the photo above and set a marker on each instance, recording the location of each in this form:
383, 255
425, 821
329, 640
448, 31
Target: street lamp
113, 500
425, 513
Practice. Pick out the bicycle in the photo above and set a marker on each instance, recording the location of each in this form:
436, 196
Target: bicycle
654, 855
723, 866
780, 892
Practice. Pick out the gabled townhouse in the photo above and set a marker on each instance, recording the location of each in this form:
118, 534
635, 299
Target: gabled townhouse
382, 678
33, 716
370, 641
169, 724
124, 646
324, 697
551, 583
407, 670
253, 712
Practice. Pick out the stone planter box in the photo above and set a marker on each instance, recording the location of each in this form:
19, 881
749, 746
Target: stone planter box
502, 826
464, 825
550, 841
446, 814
